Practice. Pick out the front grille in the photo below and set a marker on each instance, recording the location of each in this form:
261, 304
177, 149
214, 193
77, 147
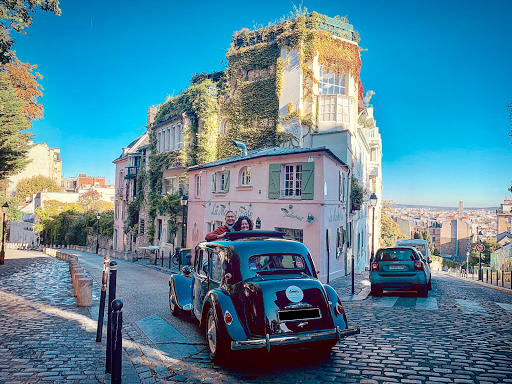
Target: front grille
299, 314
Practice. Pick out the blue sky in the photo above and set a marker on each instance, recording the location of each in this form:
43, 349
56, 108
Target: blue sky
440, 71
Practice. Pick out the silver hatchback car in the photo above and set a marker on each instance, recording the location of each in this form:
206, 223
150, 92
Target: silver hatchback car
400, 268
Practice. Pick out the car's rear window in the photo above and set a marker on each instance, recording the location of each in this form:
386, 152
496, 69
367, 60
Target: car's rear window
275, 262
396, 255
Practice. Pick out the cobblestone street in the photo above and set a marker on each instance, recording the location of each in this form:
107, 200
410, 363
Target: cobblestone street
461, 333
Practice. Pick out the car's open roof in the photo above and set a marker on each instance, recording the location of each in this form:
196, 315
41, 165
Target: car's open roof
260, 234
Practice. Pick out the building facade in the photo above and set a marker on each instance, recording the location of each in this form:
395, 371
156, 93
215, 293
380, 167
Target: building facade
44, 161
283, 189
504, 217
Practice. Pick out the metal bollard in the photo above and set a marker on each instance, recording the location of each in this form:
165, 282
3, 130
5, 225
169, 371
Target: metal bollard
503, 279
487, 276
104, 281
117, 341
111, 297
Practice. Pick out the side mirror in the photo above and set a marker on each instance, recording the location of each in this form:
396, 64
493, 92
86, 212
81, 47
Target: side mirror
429, 261
186, 270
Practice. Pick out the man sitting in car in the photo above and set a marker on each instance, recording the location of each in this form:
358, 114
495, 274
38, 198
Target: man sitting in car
221, 231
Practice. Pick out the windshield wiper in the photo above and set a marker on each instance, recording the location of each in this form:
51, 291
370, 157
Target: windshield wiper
261, 277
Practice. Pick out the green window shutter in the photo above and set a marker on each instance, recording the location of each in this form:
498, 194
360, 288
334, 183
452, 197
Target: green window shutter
308, 178
226, 181
274, 180
340, 188
214, 182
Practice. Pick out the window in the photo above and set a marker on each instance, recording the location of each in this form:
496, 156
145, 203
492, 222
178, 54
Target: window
292, 234
433, 238
334, 108
342, 187
288, 181
331, 84
224, 126
292, 180
198, 185
169, 185
245, 179
216, 267
224, 181
276, 261
141, 227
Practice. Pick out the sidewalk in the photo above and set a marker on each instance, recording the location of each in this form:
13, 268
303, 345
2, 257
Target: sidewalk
474, 279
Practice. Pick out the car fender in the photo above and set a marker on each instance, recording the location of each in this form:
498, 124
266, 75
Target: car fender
183, 287
339, 320
221, 302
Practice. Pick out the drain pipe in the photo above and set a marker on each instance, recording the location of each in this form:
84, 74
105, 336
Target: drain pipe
241, 145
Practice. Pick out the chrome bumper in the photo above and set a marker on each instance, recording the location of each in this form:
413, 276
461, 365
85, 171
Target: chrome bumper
335, 334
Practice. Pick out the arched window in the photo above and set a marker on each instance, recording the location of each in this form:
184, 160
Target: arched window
224, 126
245, 176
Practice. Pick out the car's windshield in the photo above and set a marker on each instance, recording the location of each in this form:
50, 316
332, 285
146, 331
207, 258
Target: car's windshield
396, 255
276, 262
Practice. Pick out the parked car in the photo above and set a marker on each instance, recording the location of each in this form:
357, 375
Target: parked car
257, 290
400, 268
422, 247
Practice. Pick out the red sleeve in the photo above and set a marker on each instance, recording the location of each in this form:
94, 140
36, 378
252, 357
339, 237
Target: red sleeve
213, 235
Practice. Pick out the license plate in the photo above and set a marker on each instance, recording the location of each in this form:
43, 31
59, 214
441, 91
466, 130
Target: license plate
396, 267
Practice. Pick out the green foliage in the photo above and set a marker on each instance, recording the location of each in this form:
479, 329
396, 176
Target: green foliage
356, 194
16, 15
442, 262
390, 230
30, 185
425, 235
490, 246
14, 140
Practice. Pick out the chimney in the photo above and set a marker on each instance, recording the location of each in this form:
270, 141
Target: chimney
125, 150
151, 115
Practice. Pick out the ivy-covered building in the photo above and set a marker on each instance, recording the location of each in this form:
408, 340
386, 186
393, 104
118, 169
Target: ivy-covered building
295, 84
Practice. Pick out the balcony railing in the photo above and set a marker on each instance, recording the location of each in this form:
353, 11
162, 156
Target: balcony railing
132, 173
120, 192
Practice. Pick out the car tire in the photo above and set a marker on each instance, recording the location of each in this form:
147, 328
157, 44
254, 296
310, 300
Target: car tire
172, 302
218, 347
325, 346
375, 292
430, 284
423, 292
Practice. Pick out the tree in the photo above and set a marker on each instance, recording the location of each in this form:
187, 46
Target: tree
490, 246
30, 185
390, 230
16, 15
24, 82
91, 201
14, 140
425, 235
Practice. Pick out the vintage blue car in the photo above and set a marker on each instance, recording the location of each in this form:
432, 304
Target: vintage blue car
256, 289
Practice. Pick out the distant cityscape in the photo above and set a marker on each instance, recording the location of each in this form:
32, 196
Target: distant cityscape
454, 229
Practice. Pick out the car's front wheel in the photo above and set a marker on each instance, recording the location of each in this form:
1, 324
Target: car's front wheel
217, 345
172, 302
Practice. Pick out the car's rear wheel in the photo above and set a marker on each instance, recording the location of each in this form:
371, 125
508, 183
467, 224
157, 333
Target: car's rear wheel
325, 346
375, 292
430, 284
172, 302
217, 345
423, 292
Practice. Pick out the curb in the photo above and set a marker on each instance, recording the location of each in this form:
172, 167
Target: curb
495, 287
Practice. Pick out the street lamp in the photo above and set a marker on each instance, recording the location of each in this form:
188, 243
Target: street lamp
183, 201
373, 203
98, 237
5, 208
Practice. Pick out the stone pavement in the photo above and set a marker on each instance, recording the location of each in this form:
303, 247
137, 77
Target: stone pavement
45, 337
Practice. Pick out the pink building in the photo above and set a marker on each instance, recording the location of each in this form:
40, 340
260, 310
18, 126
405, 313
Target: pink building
301, 191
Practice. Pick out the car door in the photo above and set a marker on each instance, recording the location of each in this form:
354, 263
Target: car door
200, 281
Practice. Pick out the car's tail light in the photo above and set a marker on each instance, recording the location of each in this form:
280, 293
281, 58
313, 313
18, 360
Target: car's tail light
340, 309
375, 266
228, 319
418, 265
